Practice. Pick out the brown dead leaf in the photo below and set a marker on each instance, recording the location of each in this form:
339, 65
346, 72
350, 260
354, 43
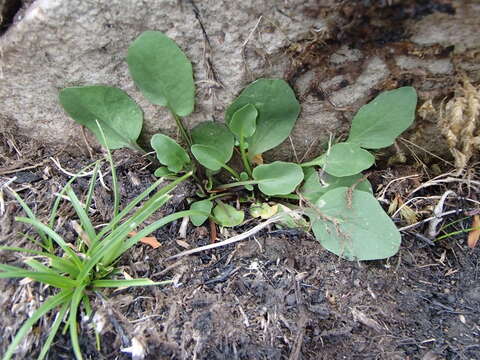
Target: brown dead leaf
258, 159
474, 234
83, 235
149, 240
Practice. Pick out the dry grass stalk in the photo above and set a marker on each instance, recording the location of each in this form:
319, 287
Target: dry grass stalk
460, 123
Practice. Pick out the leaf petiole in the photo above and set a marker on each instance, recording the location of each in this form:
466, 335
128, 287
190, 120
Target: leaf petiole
238, 183
181, 127
231, 171
243, 153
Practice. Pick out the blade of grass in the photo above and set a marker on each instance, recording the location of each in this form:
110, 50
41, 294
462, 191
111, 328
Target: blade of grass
58, 281
39, 267
53, 235
128, 208
127, 283
49, 304
91, 187
56, 204
82, 216
33, 241
120, 233
72, 320
46, 241
456, 233
58, 263
53, 331
111, 242
87, 305
156, 225
116, 192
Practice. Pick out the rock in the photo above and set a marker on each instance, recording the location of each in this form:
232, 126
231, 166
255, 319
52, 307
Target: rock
334, 69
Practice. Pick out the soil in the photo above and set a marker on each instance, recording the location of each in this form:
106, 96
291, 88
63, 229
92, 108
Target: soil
278, 295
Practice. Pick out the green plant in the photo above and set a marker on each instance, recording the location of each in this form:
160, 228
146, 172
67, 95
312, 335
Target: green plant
90, 263
336, 198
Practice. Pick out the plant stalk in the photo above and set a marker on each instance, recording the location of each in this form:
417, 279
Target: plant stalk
243, 154
183, 130
231, 171
238, 183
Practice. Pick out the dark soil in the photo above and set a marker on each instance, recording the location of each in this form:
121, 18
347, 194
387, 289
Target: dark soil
278, 295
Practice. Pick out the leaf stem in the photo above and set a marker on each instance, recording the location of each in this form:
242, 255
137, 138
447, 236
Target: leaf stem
243, 153
231, 171
181, 127
287, 196
238, 183
219, 196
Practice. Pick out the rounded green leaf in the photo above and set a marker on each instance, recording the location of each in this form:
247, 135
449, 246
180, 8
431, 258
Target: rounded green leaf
244, 177
278, 178
346, 159
227, 215
277, 108
162, 171
202, 206
208, 156
312, 188
358, 229
169, 153
162, 72
216, 136
243, 122
378, 123
118, 115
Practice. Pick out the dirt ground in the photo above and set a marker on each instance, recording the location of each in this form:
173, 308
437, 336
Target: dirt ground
278, 295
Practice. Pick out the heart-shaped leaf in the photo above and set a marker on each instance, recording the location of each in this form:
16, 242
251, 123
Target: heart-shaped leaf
378, 123
355, 228
217, 136
263, 210
243, 122
169, 153
227, 215
346, 159
202, 206
312, 188
277, 108
162, 72
244, 177
208, 156
119, 116
163, 171
278, 178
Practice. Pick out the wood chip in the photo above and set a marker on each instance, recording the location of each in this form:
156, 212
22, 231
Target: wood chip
149, 240
474, 234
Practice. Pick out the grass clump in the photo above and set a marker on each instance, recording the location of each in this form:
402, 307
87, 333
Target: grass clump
75, 270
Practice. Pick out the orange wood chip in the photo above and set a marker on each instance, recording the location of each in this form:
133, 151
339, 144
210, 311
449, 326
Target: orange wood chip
149, 240
474, 234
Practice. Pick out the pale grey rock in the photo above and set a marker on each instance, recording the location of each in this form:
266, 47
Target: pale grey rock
60, 43
345, 54
434, 66
375, 71
459, 30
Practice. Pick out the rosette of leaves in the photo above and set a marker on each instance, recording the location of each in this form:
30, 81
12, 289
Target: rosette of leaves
345, 216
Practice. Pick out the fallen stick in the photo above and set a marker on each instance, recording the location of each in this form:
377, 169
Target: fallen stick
235, 238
